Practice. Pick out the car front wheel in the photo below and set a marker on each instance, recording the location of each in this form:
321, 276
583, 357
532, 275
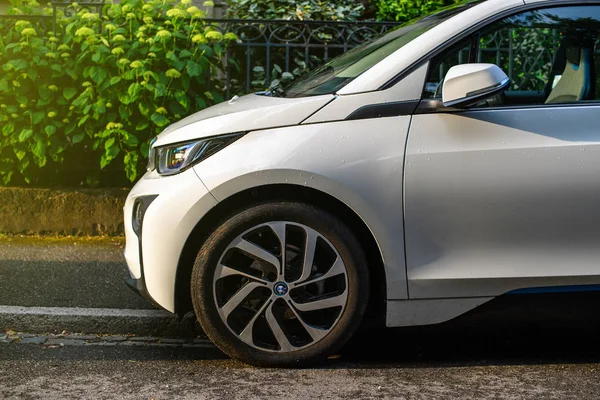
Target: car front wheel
280, 284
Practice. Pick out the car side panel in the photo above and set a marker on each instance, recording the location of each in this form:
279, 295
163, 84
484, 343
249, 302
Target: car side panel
357, 162
498, 200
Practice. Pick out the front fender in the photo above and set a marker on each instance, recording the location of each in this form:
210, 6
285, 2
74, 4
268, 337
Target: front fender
360, 163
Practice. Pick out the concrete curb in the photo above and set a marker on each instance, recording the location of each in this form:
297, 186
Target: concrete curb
97, 320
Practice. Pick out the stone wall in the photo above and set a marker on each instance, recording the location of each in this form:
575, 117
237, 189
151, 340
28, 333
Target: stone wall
92, 212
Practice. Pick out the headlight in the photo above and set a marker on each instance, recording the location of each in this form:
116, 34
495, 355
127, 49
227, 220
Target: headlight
174, 158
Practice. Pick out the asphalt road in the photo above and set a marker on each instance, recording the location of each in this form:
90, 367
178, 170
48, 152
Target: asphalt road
548, 349
63, 273
392, 365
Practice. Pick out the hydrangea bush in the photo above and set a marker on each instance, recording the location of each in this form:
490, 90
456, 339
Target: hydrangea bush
89, 97
406, 10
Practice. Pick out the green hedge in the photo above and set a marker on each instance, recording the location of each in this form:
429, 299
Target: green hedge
323, 10
81, 103
406, 10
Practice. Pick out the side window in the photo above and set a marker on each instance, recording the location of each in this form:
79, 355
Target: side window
550, 56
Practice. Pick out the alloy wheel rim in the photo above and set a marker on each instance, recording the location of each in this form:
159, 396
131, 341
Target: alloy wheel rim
280, 286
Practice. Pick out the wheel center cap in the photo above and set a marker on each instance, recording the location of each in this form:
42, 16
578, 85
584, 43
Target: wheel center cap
280, 289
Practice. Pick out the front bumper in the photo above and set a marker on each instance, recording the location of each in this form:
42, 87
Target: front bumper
152, 254
139, 287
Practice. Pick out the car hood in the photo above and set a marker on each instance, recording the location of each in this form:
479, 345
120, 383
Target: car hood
240, 114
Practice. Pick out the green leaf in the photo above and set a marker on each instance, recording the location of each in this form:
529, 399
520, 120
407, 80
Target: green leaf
82, 120
129, 75
159, 119
25, 134
71, 72
131, 161
112, 151
81, 100
33, 74
134, 90
42, 103
99, 107
44, 93
131, 140
142, 126
8, 128
98, 74
160, 90
185, 53
70, 128
287, 76
109, 143
6, 177
37, 117
50, 130
104, 162
172, 57
69, 93
19, 64
114, 80
193, 69
182, 99
144, 109
19, 153
144, 149
77, 138
125, 99
200, 103
39, 150
22, 100
185, 82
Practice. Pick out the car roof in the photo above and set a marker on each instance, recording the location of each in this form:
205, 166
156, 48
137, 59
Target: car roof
405, 57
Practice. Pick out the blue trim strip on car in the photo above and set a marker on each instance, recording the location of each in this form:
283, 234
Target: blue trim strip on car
557, 289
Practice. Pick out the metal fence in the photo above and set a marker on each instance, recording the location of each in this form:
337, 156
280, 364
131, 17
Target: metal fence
93, 6
284, 46
42, 22
47, 23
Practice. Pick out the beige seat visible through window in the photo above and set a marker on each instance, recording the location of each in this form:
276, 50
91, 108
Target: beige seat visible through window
575, 82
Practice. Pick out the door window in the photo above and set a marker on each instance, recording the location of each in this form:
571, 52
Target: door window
551, 56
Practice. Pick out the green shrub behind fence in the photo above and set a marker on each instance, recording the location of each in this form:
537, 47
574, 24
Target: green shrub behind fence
90, 96
406, 10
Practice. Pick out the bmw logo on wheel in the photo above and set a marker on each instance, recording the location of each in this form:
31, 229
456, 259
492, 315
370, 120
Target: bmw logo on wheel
280, 288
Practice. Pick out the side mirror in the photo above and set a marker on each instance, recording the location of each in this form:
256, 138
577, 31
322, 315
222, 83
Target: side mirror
467, 84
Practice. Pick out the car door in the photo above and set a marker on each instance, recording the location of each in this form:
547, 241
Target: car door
506, 195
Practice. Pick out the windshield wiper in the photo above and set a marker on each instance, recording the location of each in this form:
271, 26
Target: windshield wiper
272, 92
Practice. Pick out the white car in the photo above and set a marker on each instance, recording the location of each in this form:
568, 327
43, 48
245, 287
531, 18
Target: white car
451, 161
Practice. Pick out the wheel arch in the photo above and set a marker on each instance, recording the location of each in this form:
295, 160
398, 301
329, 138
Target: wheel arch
375, 314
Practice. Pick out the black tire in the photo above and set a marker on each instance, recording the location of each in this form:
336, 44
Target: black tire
325, 224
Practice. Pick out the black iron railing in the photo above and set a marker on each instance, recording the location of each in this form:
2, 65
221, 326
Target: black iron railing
277, 46
43, 22
93, 6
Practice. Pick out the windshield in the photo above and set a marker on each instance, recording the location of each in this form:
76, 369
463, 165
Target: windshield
338, 72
